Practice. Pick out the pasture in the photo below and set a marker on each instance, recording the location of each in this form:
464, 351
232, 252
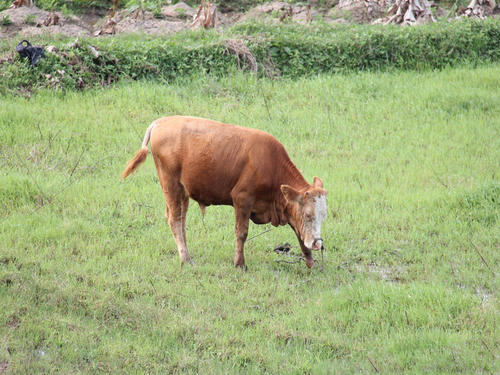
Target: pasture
90, 280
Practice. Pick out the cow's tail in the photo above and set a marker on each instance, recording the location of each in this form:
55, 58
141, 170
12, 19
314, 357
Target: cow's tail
141, 155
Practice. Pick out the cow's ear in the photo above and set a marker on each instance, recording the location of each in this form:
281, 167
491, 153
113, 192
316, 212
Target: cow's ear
291, 195
317, 183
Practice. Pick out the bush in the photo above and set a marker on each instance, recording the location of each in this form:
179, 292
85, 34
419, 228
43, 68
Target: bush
4, 4
283, 50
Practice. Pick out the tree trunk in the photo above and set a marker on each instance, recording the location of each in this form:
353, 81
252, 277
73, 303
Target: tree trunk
477, 9
409, 12
206, 15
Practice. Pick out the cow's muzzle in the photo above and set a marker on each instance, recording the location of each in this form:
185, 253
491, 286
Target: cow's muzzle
317, 244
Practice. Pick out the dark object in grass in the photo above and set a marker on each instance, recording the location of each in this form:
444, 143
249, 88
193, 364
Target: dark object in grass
33, 53
283, 249
286, 248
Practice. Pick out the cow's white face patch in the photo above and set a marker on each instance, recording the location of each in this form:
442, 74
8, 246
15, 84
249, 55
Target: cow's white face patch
313, 217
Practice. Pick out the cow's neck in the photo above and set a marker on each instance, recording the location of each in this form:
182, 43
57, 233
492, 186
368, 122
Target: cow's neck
289, 175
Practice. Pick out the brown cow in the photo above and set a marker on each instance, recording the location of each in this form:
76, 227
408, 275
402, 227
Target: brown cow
216, 163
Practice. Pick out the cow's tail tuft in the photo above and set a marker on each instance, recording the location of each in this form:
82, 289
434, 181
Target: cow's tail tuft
141, 155
137, 160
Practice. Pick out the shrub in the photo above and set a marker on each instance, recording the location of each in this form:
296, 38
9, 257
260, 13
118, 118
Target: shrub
4, 4
29, 19
283, 50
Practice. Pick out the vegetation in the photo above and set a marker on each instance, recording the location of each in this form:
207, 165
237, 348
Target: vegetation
89, 275
284, 50
29, 19
6, 21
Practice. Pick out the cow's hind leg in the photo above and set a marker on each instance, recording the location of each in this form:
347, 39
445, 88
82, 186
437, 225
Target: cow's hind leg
184, 209
176, 206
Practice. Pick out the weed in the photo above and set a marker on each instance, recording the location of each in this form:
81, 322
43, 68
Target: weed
181, 12
29, 19
6, 21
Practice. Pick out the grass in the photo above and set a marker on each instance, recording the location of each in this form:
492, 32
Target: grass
89, 275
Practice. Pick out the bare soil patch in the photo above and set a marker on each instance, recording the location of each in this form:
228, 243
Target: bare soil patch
27, 21
283, 11
359, 11
147, 23
173, 18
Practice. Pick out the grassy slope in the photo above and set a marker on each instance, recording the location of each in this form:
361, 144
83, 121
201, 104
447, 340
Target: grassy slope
91, 280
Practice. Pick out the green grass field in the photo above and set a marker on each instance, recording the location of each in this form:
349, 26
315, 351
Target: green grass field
90, 280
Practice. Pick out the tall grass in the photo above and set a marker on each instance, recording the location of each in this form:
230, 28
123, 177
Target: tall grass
89, 275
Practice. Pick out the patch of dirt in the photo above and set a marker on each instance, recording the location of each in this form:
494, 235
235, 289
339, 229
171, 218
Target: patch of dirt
173, 18
92, 16
178, 11
283, 11
149, 24
359, 11
27, 21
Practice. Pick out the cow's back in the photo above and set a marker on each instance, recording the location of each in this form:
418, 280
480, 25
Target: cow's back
210, 158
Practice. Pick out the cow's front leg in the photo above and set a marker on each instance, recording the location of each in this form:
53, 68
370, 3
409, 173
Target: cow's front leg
242, 214
306, 252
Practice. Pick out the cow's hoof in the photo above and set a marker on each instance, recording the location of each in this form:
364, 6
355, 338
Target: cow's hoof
310, 263
241, 267
186, 261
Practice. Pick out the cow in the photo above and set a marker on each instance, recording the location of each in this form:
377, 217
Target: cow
221, 164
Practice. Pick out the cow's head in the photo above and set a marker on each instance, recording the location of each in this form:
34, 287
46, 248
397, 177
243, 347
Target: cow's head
308, 210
